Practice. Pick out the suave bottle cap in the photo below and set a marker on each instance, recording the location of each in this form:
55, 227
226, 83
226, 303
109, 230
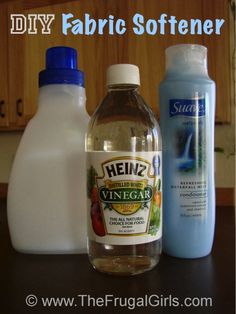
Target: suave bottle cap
186, 55
123, 74
61, 67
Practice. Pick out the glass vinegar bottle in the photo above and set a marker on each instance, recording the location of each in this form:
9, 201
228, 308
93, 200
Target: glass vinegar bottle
124, 179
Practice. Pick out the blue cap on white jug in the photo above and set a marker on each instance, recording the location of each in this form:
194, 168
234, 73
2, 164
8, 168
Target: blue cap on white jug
61, 67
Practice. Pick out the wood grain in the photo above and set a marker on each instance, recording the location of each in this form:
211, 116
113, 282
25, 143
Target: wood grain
3, 190
97, 52
32, 4
16, 79
22, 56
225, 196
219, 60
3, 65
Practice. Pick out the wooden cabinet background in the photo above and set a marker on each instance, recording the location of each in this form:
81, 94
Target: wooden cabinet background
96, 52
3, 68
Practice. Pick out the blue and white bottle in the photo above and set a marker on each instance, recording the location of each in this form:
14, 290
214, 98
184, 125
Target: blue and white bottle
187, 106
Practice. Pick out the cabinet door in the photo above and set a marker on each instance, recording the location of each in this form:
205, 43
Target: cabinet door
220, 55
16, 72
3, 67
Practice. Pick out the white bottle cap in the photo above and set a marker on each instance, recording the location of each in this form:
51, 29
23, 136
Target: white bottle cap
186, 55
123, 74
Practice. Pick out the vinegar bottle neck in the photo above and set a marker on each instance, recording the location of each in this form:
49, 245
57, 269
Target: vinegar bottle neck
123, 87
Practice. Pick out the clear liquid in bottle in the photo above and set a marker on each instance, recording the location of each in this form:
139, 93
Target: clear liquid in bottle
124, 179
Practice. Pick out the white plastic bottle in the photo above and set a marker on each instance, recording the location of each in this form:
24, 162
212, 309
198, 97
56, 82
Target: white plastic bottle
187, 103
47, 187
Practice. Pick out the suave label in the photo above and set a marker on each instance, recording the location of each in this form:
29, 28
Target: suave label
125, 193
188, 144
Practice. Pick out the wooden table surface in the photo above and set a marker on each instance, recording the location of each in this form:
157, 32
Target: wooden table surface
72, 276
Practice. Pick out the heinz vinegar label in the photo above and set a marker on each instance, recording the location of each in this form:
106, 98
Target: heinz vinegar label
125, 197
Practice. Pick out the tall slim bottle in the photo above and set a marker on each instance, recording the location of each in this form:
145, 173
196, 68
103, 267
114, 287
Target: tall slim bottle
187, 106
124, 179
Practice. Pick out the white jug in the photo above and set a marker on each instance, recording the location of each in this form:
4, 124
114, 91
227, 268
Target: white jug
47, 187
